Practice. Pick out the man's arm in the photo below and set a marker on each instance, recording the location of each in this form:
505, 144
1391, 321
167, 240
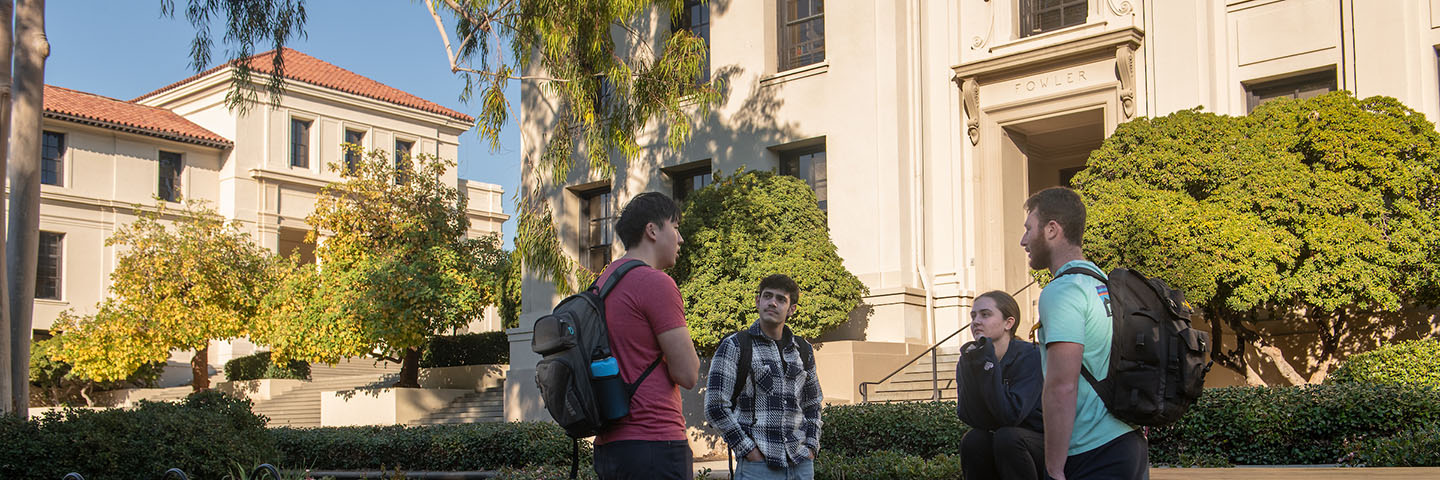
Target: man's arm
810, 400
1062, 373
720, 385
680, 357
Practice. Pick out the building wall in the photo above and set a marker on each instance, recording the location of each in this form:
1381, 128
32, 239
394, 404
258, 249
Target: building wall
939, 119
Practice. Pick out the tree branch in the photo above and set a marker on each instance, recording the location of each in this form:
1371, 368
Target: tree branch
387, 358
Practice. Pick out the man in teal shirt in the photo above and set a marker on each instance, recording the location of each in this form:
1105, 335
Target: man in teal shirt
1082, 439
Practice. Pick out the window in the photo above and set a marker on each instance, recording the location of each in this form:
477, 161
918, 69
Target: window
1038, 16
47, 269
353, 155
597, 228
52, 157
1297, 87
809, 165
691, 178
696, 19
299, 143
171, 166
802, 33
402, 159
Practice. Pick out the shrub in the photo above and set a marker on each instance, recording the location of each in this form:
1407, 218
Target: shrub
1419, 447
887, 465
479, 446
1413, 363
468, 349
258, 366
1289, 425
923, 429
52, 383
205, 435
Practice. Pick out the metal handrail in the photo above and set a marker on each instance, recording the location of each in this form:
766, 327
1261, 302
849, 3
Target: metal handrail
934, 370
934, 361
175, 472
265, 468
73, 476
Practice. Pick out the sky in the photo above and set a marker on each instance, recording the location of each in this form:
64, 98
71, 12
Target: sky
125, 48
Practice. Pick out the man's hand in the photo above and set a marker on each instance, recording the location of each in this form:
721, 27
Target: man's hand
755, 455
810, 454
1055, 476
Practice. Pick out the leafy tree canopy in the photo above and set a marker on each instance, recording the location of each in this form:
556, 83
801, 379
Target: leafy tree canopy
394, 268
1323, 212
176, 286
745, 227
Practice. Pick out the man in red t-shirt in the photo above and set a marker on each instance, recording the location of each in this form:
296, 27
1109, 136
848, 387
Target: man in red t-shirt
646, 317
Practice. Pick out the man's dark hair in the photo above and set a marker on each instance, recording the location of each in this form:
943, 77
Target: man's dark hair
1062, 206
644, 209
1007, 305
782, 283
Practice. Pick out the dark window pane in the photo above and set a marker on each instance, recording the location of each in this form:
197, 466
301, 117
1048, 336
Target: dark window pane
1298, 87
597, 228
171, 166
402, 159
52, 157
688, 181
48, 266
299, 143
1037, 16
352, 155
802, 33
809, 165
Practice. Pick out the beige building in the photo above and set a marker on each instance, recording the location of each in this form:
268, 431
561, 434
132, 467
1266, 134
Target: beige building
924, 124
102, 156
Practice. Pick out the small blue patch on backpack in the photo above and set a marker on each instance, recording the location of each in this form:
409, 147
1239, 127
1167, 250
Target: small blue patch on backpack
1104, 297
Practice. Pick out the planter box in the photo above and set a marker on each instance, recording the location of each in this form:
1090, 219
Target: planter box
473, 377
261, 389
383, 406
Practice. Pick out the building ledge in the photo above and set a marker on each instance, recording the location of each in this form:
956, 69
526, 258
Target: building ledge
1046, 55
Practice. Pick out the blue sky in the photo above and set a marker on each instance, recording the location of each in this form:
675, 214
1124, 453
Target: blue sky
123, 49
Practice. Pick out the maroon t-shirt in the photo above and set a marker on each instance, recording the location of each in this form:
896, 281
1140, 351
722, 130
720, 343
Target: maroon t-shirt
643, 305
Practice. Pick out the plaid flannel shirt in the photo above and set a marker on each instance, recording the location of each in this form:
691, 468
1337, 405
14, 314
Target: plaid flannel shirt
783, 418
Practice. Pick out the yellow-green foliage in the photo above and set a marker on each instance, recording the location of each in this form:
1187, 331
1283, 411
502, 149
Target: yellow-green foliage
1327, 208
181, 279
394, 267
1414, 363
744, 228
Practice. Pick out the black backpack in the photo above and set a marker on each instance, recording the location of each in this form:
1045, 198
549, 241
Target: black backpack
570, 338
1157, 362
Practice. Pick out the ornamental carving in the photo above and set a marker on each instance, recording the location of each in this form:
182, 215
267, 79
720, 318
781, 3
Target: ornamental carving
1125, 71
970, 96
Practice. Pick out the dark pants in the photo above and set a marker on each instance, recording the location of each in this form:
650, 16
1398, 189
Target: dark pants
1127, 457
1008, 453
639, 459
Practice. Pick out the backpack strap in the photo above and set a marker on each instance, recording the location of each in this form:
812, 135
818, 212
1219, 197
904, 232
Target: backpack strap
1085, 371
615, 276
742, 364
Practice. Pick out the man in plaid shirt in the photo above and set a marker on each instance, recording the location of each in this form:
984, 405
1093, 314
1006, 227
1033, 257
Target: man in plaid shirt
774, 423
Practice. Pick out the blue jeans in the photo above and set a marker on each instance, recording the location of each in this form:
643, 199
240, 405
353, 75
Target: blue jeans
748, 470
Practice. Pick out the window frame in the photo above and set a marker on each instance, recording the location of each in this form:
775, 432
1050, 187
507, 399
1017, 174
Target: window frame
1257, 93
822, 190
682, 178
58, 160
402, 164
586, 223
686, 22
177, 180
348, 159
785, 59
1028, 16
58, 265
296, 148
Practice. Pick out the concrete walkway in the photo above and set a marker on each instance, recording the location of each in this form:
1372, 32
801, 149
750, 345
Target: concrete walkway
718, 471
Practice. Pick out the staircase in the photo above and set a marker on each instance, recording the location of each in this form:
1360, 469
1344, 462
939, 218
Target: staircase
300, 407
915, 382
483, 406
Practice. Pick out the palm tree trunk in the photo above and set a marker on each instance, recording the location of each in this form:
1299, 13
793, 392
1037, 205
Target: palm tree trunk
7, 15
22, 232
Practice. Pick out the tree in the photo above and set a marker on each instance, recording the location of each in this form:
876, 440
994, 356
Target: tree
22, 231
508, 298
745, 227
595, 57
60, 386
1321, 214
174, 287
394, 269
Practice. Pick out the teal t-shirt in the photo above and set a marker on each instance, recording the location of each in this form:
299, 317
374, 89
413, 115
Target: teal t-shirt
1076, 308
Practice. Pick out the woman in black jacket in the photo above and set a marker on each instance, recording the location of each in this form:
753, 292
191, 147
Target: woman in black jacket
998, 383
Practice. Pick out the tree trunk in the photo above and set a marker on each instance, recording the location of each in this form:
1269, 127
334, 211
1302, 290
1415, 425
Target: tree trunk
410, 369
7, 15
22, 232
200, 369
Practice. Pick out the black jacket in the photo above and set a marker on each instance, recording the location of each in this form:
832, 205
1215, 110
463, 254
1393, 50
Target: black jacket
1007, 394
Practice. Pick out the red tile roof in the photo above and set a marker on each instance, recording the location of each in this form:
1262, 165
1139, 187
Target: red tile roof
88, 108
304, 68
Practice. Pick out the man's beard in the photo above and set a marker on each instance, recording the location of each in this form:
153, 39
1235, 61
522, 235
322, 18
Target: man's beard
1039, 254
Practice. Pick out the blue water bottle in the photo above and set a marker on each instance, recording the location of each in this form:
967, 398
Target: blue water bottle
609, 390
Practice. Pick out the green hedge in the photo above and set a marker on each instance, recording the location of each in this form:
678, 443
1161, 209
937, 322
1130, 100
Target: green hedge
1419, 447
924, 429
468, 349
479, 446
1290, 425
205, 435
885, 465
258, 366
1413, 363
